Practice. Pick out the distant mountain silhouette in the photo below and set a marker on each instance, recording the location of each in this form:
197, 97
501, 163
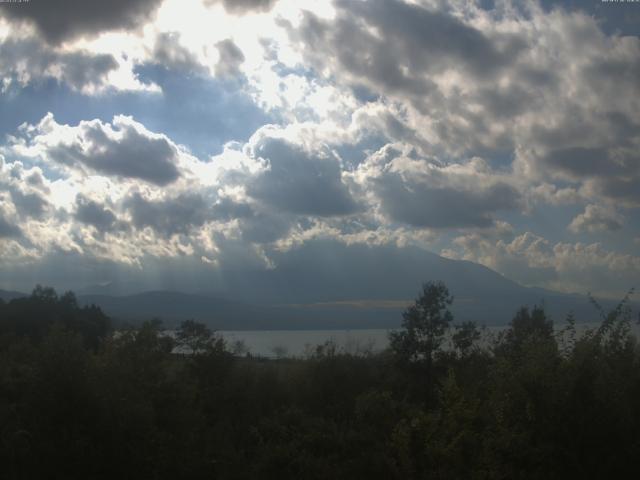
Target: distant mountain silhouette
8, 295
370, 291
172, 307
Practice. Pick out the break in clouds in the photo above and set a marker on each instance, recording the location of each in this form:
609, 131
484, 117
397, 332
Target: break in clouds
503, 133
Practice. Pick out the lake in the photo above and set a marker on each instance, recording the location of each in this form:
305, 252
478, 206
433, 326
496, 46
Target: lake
299, 343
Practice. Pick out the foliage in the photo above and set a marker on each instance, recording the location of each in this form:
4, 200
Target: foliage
467, 335
424, 325
34, 316
139, 403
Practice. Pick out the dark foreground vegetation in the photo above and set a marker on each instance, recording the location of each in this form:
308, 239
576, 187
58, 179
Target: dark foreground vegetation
77, 401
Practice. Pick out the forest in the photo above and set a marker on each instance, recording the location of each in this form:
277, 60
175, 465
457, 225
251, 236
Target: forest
81, 399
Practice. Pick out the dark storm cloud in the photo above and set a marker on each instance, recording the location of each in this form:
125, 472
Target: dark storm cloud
422, 205
61, 20
300, 183
29, 204
30, 61
231, 57
132, 154
239, 7
169, 216
93, 213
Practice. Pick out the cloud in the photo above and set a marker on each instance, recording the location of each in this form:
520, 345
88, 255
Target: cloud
169, 216
608, 170
421, 193
544, 92
240, 7
390, 124
29, 204
123, 148
8, 230
169, 53
300, 182
93, 213
534, 260
395, 47
597, 218
231, 57
27, 61
195, 109
227, 209
65, 20
422, 205
265, 227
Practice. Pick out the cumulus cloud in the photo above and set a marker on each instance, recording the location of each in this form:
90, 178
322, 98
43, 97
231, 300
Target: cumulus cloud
64, 20
227, 209
93, 213
534, 260
239, 7
231, 57
608, 170
123, 148
170, 215
596, 218
399, 123
421, 193
394, 46
29, 204
8, 229
547, 88
27, 61
171, 54
300, 182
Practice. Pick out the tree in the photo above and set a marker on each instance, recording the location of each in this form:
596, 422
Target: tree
195, 338
424, 325
467, 334
529, 325
35, 315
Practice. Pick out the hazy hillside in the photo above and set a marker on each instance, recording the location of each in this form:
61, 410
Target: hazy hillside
8, 295
304, 292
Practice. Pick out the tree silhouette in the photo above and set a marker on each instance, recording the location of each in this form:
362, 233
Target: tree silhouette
424, 326
194, 336
467, 334
529, 325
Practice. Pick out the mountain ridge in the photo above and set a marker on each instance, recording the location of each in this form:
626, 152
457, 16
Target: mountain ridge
371, 289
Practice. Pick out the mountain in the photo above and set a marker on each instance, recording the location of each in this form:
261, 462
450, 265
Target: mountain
173, 307
8, 295
352, 287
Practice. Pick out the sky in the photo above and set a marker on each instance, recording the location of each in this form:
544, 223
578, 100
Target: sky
187, 144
